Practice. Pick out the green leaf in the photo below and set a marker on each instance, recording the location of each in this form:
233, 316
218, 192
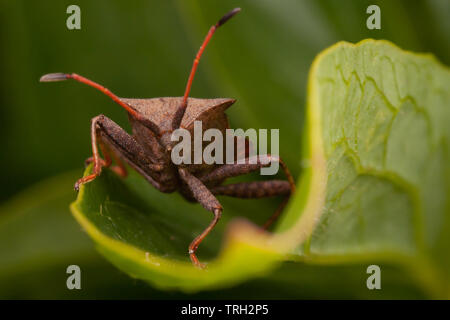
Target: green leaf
39, 239
381, 116
374, 187
146, 234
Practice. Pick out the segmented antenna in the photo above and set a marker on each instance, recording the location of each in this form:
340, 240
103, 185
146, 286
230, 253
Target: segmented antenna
182, 108
51, 77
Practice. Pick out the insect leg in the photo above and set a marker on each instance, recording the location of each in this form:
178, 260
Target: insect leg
120, 168
104, 162
258, 189
99, 163
209, 202
251, 164
252, 189
122, 146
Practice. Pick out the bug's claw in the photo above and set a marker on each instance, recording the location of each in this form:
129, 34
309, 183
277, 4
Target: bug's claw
195, 260
201, 265
86, 179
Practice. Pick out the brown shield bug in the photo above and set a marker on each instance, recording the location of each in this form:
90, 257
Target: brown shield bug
148, 150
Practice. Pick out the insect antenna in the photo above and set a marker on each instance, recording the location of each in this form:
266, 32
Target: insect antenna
182, 108
64, 76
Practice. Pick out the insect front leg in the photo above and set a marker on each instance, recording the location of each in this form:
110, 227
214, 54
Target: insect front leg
209, 202
117, 143
119, 169
99, 163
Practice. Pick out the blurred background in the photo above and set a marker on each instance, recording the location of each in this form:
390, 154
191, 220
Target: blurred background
145, 49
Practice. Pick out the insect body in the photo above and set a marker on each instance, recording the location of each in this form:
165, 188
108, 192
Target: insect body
148, 150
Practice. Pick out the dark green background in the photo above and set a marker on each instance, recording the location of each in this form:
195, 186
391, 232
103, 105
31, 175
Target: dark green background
145, 49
